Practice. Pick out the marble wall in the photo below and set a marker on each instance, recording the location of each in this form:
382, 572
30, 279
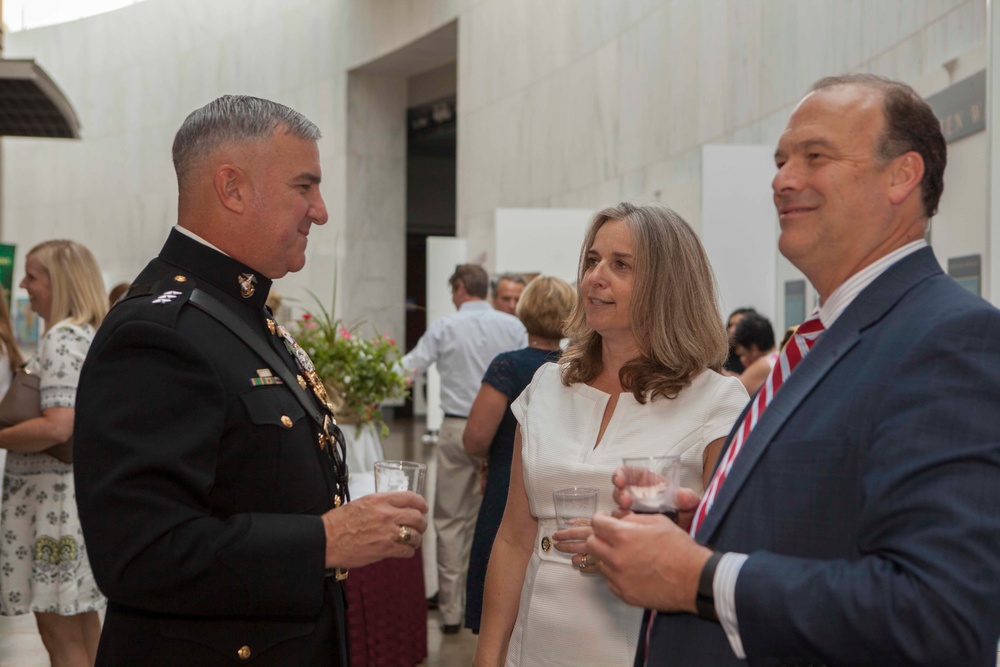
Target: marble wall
562, 103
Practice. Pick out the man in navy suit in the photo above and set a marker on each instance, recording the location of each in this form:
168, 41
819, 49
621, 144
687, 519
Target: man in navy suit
859, 521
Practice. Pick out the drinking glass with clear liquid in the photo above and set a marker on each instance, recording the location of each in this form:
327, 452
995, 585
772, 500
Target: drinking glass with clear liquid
575, 506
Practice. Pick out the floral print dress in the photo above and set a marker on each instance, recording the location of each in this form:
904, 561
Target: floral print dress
43, 560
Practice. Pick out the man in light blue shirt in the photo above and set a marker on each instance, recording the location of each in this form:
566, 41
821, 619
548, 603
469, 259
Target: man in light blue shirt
462, 345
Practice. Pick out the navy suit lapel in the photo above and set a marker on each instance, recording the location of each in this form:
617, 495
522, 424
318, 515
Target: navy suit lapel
869, 307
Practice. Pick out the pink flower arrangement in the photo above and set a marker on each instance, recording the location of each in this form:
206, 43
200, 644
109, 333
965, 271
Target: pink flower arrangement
364, 372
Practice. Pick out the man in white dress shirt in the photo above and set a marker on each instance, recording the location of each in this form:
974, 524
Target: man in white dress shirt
463, 345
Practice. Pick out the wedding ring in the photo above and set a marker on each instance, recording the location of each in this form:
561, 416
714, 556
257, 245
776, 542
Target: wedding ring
404, 535
583, 561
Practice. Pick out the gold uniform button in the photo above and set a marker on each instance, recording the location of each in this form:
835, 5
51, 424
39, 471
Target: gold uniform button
286, 421
546, 544
244, 653
180, 279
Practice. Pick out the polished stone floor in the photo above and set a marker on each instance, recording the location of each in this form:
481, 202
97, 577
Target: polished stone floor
404, 443
21, 647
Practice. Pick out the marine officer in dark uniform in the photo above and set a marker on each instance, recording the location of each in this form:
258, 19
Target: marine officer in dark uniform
210, 472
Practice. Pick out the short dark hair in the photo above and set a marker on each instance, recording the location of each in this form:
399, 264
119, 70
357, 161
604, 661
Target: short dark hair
474, 277
740, 311
754, 329
910, 125
233, 118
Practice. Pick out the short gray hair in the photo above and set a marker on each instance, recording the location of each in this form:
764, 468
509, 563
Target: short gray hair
234, 118
511, 278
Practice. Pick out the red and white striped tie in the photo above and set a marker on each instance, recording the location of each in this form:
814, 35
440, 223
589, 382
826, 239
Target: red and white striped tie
803, 340
805, 337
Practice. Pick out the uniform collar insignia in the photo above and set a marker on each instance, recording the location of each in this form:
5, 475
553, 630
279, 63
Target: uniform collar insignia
247, 283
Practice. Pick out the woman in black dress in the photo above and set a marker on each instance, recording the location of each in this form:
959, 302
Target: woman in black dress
489, 431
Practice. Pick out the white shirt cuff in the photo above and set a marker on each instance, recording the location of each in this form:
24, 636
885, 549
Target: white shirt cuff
724, 590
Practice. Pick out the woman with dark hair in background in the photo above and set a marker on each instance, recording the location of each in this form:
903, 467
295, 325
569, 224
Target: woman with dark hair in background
733, 365
754, 339
489, 432
43, 560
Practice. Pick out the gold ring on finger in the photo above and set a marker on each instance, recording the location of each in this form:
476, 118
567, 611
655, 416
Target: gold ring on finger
404, 536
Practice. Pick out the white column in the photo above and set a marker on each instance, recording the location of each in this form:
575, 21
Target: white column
372, 277
991, 277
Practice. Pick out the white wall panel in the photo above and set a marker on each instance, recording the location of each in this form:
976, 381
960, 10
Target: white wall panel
738, 225
545, 241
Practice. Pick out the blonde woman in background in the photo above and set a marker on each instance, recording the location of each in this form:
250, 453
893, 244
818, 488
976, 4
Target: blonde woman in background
43, 560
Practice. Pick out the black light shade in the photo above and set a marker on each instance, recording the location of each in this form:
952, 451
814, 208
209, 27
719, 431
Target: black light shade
31, 104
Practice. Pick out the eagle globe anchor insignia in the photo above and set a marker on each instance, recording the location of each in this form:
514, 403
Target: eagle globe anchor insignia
248, 282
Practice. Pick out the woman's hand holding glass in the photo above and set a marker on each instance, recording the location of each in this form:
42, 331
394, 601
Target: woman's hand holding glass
574, 508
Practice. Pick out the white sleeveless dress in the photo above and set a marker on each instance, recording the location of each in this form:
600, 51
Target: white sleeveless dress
566, 617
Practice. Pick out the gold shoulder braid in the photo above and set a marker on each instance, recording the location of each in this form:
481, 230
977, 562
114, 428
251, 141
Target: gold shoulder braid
331, 434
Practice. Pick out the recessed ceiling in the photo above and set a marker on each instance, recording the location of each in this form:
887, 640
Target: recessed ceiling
431, 51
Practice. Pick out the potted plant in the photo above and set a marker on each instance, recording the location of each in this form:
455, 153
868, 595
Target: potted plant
359, 372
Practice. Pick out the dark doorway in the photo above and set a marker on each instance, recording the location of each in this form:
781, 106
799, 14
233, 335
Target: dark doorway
430, 188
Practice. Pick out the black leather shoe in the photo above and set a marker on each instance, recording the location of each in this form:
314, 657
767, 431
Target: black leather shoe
451, 629
432, 601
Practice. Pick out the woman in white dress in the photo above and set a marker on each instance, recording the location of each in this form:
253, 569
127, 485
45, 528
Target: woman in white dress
640, 378
43, 560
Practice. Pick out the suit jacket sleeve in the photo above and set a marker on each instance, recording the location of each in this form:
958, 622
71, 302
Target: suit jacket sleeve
925, 587
150, 418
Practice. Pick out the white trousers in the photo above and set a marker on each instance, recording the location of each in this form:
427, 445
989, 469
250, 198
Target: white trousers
456, 506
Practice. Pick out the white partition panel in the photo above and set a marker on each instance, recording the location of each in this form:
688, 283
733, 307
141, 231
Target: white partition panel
540, 240
444, 253
991, 277
739, 226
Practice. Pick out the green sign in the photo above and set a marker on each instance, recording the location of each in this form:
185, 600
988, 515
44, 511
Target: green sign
7, 270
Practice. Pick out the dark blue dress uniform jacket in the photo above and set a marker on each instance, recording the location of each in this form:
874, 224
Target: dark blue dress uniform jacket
199, 490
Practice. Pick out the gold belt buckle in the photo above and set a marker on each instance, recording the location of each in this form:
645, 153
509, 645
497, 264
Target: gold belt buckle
341, 573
